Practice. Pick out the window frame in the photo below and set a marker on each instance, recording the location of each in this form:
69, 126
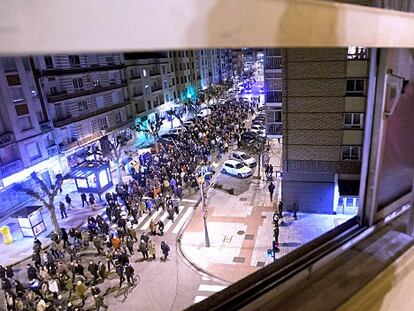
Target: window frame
351, 149
354, 125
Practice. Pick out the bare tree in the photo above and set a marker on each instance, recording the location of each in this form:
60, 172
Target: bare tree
151, 128
116, 148
47, 196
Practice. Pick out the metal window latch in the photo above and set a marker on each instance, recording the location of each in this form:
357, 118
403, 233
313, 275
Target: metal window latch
396, 86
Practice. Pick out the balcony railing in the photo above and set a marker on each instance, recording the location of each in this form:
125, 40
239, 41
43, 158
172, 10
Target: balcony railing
11, 168
46, 126
273, 62
69, 119
274, 128
53, 98
74, 70
6, 138
156, 89
357, 53
53, 150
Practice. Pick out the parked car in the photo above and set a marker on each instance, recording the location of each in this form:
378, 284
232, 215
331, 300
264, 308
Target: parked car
177, 130
244, 158
236, 168
261, 132
204, 113
257, 126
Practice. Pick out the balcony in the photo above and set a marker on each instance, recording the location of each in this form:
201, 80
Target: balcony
11, 168
274, 129
156, 89
76, 70
60, 123
46, 126
6, 138
273, 63
53, 150
53, 98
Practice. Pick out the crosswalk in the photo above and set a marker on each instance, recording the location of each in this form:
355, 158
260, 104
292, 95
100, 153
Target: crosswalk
174, 227
206, 289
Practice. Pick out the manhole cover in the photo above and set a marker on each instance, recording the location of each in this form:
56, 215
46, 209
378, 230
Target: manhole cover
249, 237
243, 199
239, 259
241, 232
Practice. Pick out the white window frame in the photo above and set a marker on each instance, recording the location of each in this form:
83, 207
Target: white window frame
351, 149
353, 124
354, 91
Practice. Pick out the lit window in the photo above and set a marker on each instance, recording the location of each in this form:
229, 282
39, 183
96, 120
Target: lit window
144, 72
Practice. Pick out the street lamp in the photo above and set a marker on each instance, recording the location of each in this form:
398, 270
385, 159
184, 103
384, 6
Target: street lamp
200, 180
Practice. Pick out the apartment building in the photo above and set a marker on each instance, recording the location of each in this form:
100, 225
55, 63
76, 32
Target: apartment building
26, 134
273, 92
151, 84
183, 65
324, 99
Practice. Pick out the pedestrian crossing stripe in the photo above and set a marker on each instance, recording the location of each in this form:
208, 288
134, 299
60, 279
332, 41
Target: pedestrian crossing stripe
199, 298
145, 226
144, 221
210, 288
182, 220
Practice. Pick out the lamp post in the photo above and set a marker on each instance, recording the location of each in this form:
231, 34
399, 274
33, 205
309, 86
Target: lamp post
204, 210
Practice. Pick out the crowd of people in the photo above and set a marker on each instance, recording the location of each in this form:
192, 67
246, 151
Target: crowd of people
57, 272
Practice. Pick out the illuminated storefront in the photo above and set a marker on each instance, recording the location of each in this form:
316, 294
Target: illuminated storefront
92, 176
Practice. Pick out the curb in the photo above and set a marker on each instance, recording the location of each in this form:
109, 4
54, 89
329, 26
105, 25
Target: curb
186, 260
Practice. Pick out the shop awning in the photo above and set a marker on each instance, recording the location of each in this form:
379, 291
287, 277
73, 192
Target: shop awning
348, 187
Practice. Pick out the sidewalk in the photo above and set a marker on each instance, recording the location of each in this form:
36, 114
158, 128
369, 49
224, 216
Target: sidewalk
22, 247
241, 230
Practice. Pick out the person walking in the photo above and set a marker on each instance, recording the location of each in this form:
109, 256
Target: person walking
130, 272
101, 270
92, 201
160, 224
165, 250
151, 249
271, 190
152, 227
120, 271
130, 245
99, 301
295, 210
84, 200
62, 208
81, 290
68, 201
280, 209
93, 269
143, 248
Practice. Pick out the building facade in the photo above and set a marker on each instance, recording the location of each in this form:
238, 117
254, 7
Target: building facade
324, 99
273, 92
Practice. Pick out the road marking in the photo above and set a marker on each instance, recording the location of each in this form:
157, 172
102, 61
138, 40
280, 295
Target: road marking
164, 216
199, 298
182, 220
153, 216
210, 288
188, 200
